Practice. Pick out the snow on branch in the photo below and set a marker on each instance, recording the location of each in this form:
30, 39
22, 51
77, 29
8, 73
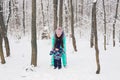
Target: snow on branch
12, 8
94, 1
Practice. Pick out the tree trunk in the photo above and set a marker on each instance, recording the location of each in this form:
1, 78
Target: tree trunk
4, 32
92, 30
5, 29
92, 35
55, 4
33, 35
104, 25
1, 51
1, 36
119, 36
24, 17
116, 13
81, 3
72, 27
9, 15
76, 12
48, 14
42, 13
66, 18
60, 13
16, 14
94, 24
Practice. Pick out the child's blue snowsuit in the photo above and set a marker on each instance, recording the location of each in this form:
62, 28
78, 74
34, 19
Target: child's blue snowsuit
57, 57
63, 57
57, 54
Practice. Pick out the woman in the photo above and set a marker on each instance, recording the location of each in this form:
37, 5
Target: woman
59, 42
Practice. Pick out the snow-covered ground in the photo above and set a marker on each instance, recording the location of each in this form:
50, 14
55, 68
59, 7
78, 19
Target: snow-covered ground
81, 64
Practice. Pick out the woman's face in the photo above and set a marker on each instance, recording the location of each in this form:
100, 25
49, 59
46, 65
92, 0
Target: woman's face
59, 32
58, 35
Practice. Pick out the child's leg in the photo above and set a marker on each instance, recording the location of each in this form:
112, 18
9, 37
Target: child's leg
59, 64
55, 63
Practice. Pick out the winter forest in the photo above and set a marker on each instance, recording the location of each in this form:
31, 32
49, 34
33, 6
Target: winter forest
91, 27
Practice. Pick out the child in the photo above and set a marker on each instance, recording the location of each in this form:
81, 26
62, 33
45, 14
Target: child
57, 57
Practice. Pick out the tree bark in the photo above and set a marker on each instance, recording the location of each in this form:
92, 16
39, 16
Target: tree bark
24, 17
1, 51
119, 36
104, 25
9, 15
42, 13
72, 27
116, 13
92, 35
33, 35
1, 36
60, 13
55, 4
4, 32
92, 30
94, 24
66, 19
76, 12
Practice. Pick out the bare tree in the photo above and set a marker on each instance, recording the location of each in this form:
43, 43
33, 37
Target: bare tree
116, 13
72, 26
92, 30
76, 18
16, 14
33, 35
9, 15
104, 25
1, 34
55, 4
94, 24
92, 34
4, 30
81, 3
24, 16
66, 16
119, 36
48, 5
1, 50
60, 13
42, 13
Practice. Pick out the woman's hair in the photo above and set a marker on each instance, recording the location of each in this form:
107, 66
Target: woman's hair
61, 39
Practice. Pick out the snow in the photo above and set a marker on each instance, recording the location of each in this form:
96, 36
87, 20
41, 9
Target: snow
94, 1
81, 64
